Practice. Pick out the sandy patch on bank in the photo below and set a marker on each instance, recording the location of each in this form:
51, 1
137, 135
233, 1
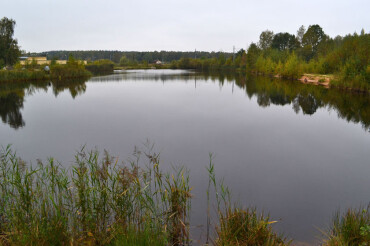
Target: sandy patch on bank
316, 79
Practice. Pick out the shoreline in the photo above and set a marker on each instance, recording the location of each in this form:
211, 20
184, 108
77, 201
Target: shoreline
323, 80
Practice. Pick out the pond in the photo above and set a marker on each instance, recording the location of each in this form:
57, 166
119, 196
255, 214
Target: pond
298, 152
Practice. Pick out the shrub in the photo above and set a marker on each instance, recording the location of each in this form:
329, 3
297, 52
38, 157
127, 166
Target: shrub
100, 67
292, 67
68, 71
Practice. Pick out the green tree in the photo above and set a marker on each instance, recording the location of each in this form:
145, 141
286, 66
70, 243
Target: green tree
124, 61
292, 67
9, 49
279, 68
71, 61
221, 59
300, 33
266, 39
252, 56
312, 38
240, 53
284, 41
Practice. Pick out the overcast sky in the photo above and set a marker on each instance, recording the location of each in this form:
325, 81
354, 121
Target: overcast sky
146, 25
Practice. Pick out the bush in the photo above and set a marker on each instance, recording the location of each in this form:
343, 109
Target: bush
100, 67
68, 71
292, 67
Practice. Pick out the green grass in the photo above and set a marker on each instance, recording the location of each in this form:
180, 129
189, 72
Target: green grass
349, 228
240, 226
22, 75
98, 201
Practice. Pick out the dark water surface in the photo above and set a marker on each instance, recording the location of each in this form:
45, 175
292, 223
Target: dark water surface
296, 151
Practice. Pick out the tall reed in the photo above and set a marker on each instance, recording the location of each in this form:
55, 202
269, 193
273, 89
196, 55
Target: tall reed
21, 75
98, 201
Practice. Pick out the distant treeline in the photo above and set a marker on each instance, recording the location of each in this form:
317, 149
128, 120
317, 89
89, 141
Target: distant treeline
115, 56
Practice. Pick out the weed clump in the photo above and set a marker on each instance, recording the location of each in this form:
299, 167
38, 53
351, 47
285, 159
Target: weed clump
349, 228
238, 226
247, 227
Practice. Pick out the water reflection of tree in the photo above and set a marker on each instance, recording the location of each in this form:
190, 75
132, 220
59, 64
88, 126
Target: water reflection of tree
12, 97
268, 91
10, 110
308, 98
75, 87
308, 103
263, 100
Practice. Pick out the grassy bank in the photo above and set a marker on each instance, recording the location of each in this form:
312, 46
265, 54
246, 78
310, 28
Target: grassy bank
292, 67
22, 75
34, 72
57, 72
101, 201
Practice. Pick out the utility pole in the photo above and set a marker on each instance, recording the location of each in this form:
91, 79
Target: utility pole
233, 53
